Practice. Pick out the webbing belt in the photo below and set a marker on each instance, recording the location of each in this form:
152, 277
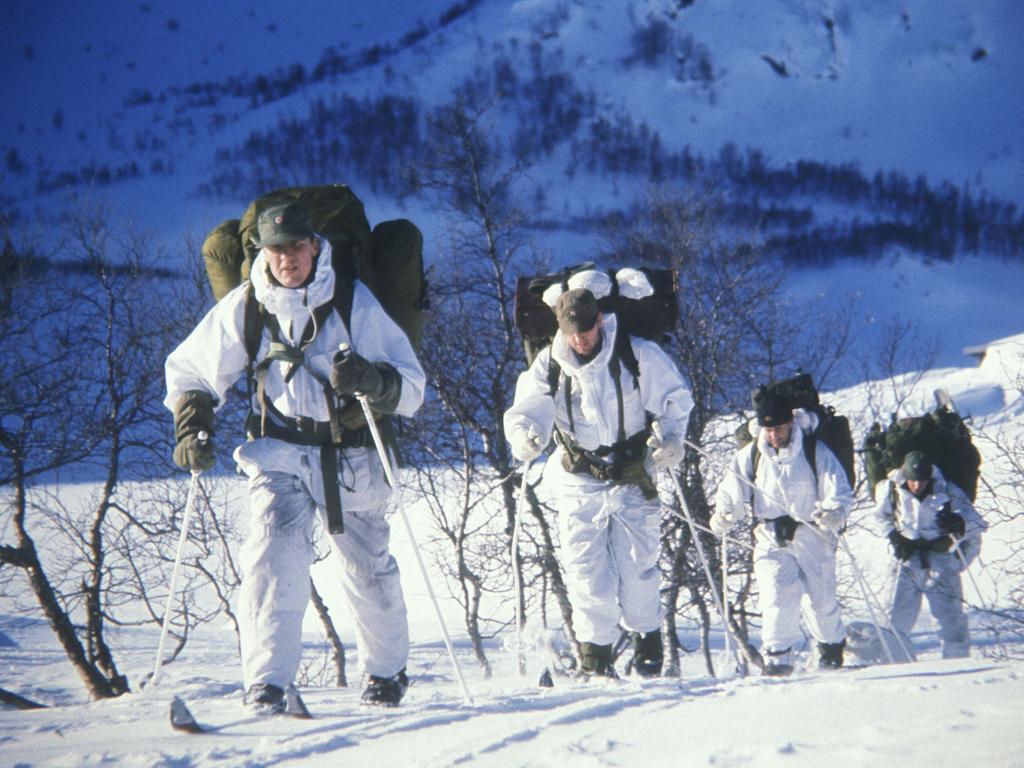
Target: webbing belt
329, 435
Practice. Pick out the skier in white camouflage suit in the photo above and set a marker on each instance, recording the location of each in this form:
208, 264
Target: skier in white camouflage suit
600, 474
935, 534
795, 506
296, 465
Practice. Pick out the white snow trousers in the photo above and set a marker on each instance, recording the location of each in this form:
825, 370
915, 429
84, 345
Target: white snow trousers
794, 580
275, 561
610, 538
940, 584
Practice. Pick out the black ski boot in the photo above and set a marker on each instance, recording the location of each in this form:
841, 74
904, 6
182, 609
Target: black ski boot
830, 655
597, 660
777, 663
266, 699
647, 653
385, 691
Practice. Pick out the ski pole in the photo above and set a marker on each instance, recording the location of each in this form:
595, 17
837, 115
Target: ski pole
870, 599
723, 537
203, 436
389, 473
703, 560
725, 591
974, 583
517, 581
864, 591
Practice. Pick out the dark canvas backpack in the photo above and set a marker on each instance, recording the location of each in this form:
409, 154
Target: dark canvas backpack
650, 317
833, 429
942, 435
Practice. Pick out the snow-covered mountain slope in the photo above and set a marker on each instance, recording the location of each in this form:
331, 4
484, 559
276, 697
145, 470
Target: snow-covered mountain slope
159, 110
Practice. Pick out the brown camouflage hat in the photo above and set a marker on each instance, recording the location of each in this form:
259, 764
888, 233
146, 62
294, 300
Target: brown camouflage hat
284, 223
576, 311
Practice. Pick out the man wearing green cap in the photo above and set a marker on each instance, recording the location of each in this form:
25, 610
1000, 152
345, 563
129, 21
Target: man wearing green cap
303, 458
935, 534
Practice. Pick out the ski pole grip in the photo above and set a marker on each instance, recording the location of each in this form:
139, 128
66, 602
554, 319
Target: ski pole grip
203, 436
344, 353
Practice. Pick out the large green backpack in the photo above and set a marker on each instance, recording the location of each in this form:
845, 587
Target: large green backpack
649, 318
833, 429
941, 434
388, 259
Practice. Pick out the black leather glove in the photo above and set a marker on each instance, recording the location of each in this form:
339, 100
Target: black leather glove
942, 543
951, 523
902, 547
193, 413
352, 374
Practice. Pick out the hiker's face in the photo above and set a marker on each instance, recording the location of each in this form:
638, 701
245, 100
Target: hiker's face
585, 342
917, 487
291, 263
778, 437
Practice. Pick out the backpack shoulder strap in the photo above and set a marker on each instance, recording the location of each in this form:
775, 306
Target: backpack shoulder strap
344, 292
252, 324
811, 452
627, 357
554, 371
755, 459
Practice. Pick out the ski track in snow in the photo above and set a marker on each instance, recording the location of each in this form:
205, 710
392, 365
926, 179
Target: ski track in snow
932, 712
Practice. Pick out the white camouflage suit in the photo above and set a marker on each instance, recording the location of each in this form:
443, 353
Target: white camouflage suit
609, 532
800, 577
286, 488
933, 575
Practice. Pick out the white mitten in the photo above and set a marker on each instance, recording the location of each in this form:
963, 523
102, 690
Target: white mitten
828, 518
721, 523
665, 453
526, 444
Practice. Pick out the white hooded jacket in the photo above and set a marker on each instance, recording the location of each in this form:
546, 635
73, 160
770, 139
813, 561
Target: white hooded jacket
658, 390
918, 518
214, 357
785, 482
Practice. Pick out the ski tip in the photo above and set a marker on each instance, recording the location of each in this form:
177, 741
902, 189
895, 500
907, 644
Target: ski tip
181, 718
295, 706
546, 681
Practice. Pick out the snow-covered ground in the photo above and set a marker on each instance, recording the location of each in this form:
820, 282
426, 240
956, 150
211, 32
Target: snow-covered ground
930, 713
933, 712
890, 88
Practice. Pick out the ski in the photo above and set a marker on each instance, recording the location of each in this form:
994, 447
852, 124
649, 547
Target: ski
183, 721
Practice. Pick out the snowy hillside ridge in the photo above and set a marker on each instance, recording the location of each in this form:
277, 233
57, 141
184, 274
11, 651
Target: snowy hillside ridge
620, 94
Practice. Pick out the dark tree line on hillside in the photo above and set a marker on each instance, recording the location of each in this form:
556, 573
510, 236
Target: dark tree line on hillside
381, 142
285, 81
375, 140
